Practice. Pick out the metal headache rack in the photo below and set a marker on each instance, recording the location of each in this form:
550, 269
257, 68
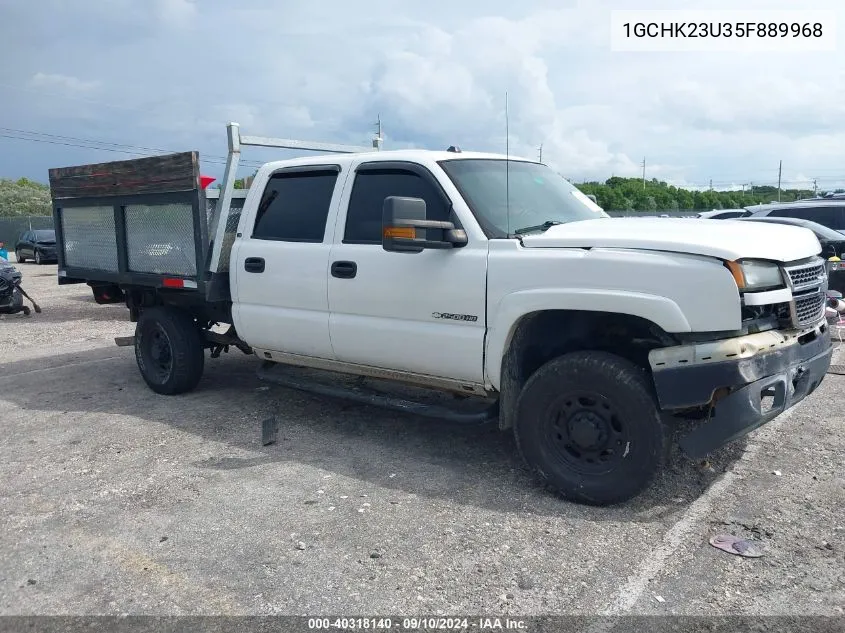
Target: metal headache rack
149, 221
226, 210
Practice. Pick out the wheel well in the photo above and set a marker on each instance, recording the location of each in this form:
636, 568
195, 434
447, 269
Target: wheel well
541, 336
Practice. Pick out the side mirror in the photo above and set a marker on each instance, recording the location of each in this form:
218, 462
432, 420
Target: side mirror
405, 227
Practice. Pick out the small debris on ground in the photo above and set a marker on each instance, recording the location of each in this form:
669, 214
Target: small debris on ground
269, 431
737, 546
300, 545
777, 473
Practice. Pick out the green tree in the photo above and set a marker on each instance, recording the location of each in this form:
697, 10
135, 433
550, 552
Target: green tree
24, 197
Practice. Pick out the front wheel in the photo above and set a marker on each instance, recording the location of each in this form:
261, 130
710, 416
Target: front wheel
588, 426
20, 258
169, 350
38, 259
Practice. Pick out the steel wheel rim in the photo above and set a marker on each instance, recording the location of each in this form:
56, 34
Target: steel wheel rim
587, 432
159, 353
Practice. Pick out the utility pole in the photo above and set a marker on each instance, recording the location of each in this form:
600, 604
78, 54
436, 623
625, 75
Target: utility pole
815, 186
643, 173
711, 184
540, 149
780, 169
378, 139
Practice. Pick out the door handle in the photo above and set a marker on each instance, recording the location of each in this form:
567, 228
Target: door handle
344, 270
254, 264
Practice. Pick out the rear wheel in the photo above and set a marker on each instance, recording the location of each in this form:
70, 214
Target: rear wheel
38, 259
20, 258
169, 350
588, 426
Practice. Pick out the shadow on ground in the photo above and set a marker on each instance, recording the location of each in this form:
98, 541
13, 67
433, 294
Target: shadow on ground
466, 466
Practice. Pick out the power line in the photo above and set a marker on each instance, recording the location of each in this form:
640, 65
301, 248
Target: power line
106, 146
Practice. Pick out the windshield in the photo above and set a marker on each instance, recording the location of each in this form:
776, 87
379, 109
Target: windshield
45, 236
538, 196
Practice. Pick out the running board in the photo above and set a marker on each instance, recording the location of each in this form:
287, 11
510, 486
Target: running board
285, 379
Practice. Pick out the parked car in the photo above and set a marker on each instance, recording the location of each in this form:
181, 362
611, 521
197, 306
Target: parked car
833, 246
38, 245
829, 212
723, 214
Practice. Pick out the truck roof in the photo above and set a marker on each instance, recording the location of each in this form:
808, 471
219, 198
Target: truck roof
413, 155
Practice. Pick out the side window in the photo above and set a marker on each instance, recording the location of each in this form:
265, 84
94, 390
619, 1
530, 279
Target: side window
295, 206
831, 217
366, 203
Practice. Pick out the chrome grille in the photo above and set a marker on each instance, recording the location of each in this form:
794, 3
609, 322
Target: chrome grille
807, 275
809, 309
808, 282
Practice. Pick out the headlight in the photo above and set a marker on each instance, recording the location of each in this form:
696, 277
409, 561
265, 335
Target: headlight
754, 274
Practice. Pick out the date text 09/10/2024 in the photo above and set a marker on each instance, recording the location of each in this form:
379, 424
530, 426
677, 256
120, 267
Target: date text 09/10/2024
418, 623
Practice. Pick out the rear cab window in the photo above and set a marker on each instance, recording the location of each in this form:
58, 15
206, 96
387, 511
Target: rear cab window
295, 205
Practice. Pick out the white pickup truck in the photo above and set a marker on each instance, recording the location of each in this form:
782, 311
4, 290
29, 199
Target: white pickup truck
597, 339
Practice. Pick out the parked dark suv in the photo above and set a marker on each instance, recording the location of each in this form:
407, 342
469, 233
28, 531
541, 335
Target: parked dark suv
38, 245
829, 212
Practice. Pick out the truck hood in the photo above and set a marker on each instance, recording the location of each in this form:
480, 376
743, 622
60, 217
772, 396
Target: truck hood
725, 239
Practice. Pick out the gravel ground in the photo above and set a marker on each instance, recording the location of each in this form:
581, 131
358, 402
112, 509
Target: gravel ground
116, 500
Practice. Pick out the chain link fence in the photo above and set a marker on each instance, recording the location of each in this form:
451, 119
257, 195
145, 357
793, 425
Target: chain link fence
12, 227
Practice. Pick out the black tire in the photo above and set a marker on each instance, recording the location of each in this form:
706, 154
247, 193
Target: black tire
20, 258
588, 426
169, 350
38, 259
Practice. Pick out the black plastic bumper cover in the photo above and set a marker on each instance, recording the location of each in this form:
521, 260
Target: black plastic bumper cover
787, 375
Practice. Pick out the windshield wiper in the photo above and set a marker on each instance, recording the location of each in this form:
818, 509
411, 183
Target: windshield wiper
538, 227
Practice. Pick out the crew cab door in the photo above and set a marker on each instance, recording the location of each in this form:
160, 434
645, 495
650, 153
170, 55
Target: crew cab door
280, 263
421, 313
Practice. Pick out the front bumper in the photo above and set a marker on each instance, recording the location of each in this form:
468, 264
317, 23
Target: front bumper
734, 376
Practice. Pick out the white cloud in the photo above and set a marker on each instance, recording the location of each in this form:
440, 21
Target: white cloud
175, 12
438, 76
67, 83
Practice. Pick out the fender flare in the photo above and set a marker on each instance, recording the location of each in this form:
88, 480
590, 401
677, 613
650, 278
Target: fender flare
661, 311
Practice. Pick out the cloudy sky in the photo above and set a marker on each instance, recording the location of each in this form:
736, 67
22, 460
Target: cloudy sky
169, 74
